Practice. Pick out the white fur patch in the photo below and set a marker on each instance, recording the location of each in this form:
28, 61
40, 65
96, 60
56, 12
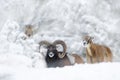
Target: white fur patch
71, 58
51, 54
88, 49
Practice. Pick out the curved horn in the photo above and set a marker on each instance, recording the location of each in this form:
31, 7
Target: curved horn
43, 43
61, 55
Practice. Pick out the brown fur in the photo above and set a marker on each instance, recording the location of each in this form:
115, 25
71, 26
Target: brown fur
78, 59
29, 30
100, 53
108, 54
66, 61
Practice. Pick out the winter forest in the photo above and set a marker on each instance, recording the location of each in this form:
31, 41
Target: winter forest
67, 20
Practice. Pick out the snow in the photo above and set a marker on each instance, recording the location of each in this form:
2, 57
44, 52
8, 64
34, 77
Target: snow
68, 20
105, 71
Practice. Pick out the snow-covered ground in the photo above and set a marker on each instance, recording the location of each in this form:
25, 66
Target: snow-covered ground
68, 20
102, 71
